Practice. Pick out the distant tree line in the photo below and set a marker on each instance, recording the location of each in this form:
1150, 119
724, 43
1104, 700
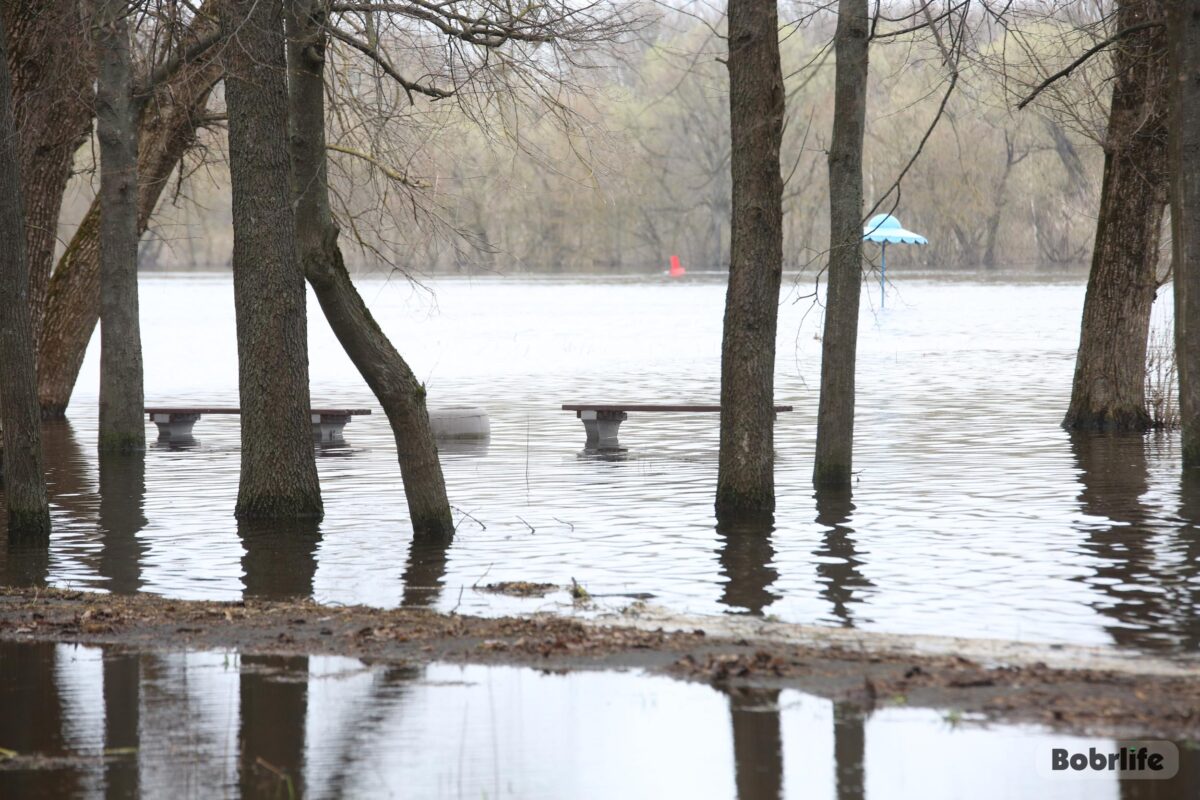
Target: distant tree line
633, 166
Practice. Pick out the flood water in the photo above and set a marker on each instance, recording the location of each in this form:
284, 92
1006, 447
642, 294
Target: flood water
973, 513
110, 723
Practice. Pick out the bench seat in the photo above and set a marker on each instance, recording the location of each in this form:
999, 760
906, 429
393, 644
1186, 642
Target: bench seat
175, 422
601, 421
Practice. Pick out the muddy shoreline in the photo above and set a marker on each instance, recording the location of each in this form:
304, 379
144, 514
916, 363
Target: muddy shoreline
1073, 690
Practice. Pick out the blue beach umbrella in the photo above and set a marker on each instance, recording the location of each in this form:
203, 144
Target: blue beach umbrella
886, 229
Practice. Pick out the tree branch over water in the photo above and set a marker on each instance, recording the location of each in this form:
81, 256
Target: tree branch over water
1067, 70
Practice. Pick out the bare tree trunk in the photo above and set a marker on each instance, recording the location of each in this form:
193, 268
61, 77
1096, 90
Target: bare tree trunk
167, 123
397, 389
746, 469
992, 235
50, 58
835, 413
24, 480
1109, 390
122, 428
1184, 46
279, 471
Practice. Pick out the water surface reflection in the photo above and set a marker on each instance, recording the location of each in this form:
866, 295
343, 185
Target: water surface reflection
838, 562
746, 557
87, 722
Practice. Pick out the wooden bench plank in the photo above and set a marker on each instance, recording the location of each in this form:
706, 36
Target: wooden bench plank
179, 410
651, 407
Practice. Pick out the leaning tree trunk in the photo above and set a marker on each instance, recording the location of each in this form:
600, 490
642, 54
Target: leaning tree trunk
1184, 164
50, 59
167, 122
1109, 390
279, 471
397, 389
122, 428
746, 464
24, 481
835, 412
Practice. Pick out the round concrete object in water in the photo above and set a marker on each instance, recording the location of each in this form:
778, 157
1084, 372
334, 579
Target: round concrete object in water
460, 422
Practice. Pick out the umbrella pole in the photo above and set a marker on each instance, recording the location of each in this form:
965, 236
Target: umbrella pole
882, 273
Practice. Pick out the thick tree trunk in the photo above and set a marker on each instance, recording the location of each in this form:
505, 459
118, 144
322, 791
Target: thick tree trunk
50, 59
835, 413
24, 481
397, 389
1109, 390
746, 469
279, 471
166, 128
1184, 45
122, 428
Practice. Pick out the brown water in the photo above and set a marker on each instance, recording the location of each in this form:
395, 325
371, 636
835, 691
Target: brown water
109, 723
973, 513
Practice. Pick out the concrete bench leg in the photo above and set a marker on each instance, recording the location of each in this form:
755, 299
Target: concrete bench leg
174, 426
328, 427
602, 427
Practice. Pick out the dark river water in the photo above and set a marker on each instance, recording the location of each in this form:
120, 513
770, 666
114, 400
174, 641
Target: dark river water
973, 513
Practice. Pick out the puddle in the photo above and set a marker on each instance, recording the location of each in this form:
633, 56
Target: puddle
98, 722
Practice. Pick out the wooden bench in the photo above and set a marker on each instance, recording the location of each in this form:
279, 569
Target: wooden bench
601, 421
176, 423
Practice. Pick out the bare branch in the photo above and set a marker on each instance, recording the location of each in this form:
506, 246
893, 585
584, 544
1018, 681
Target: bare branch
378, 58
391, 172
1062, 73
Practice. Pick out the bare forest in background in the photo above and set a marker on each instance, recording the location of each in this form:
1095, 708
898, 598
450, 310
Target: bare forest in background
626, 161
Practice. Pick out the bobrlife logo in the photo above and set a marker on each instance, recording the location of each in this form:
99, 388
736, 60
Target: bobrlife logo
1123, 760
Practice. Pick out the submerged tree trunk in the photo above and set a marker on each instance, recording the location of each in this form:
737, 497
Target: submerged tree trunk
279, 471
1184, 164
24, 481
746, 468
1109, 389
397, 389
167, 122
835, 414
122, 428
50, 59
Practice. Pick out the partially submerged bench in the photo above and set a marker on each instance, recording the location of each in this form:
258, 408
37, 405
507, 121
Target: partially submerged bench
601, 421
176, 423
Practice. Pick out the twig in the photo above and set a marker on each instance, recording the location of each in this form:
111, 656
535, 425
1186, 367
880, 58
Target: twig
484, 575
279, 773
921, 146
468, 516
527, 525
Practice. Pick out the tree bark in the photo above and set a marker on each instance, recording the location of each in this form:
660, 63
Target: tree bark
167, 122
50, 59
1109, 389
746, 468
1184, 46
24, 480
279, 471
835, 412
390, 378
122, 428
